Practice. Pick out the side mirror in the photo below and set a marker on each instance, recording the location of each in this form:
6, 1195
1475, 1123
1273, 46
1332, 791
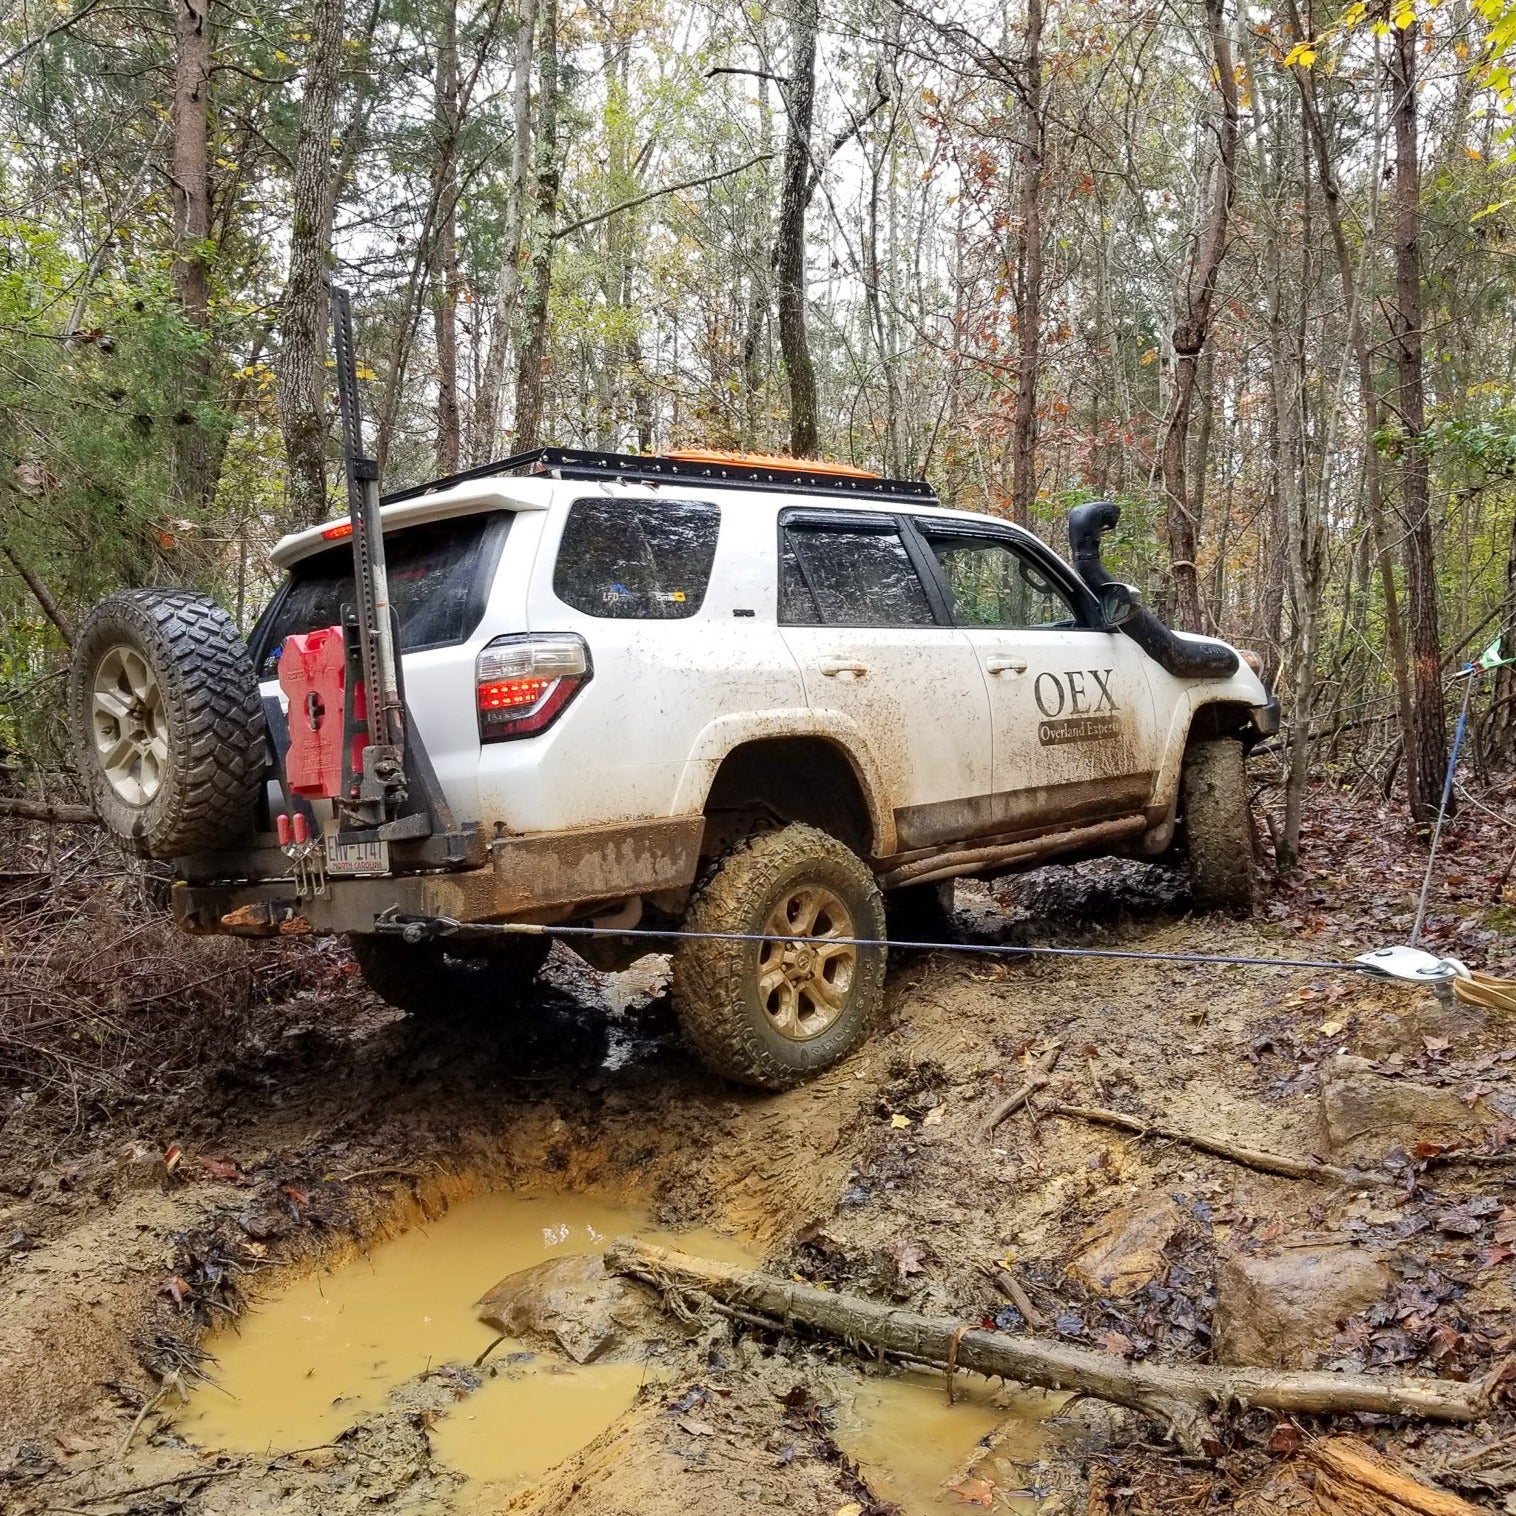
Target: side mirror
1119, 603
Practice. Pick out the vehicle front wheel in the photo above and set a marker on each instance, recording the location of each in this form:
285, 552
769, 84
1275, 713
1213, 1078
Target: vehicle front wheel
760, 1006
428, 979
1218, 832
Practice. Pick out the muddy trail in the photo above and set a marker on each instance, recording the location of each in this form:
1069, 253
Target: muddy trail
247, 1282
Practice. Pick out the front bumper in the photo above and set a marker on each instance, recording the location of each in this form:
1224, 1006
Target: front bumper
1264, 720
551, 876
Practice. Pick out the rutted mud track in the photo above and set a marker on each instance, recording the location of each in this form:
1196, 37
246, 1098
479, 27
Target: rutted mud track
335, 1123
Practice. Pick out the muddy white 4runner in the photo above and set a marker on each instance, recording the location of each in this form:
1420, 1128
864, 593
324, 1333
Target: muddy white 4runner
752, 699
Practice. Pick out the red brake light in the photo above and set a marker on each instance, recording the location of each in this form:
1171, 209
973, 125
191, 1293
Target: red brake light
524, 683
338, 532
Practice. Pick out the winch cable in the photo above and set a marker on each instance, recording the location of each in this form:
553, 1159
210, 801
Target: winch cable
424, 928
1408, 964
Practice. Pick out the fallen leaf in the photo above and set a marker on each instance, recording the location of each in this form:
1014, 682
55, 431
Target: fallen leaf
974, 1492
1117, 1342
908, 1257
173, 1156
899, 1122
221, 1168
696, 1428
852, 1508
1330, 1028
1286, 1439
934, 1116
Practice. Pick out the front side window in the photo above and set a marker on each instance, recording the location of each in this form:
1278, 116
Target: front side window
991, 584
837, 576
646, 560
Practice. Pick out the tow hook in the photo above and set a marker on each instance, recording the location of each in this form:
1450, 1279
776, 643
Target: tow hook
266, 918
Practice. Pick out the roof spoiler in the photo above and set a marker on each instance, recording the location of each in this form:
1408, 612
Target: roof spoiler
1185, 657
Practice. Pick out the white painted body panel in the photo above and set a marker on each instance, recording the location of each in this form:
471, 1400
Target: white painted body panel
931, 721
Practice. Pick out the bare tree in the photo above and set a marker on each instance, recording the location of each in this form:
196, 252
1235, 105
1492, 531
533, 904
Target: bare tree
302, 324
1195, 304
1426, 740
190, 114
799, 93
1028, 280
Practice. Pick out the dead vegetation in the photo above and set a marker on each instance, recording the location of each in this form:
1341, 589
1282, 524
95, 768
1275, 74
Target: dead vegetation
1141, 1171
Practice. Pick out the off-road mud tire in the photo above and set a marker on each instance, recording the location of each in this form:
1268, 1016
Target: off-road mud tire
715, 990
1218, 833
920, 912
208, 787
427, 979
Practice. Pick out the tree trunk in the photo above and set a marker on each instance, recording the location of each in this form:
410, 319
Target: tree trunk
1179, 1394
1368, 398
445, 286
1426, 738
190, 115
789, 253
1192, 327
531, 352
487, 420
300, 368
1028, 283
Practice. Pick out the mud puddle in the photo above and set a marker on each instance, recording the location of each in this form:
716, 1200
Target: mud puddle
312, 1361
925, 1455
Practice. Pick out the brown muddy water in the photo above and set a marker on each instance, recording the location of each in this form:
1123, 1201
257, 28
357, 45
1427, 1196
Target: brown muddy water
304, 1365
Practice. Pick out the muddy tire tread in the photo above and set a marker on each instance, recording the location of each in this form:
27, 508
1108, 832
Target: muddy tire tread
217, 737
1218, 833
711, 978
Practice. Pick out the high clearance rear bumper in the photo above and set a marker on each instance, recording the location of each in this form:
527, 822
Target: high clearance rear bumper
552, 876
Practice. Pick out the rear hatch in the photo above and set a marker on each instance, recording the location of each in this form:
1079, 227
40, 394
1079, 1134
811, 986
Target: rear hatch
440, 577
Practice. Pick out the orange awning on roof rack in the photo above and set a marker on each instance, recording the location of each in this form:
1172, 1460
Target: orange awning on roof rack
771, 460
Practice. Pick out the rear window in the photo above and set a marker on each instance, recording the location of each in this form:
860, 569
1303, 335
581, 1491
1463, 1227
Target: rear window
647, 560
439, 577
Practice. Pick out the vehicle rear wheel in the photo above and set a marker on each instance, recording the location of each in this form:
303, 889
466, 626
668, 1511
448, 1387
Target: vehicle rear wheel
771, 1013
167, 722
428, 979
1218, 832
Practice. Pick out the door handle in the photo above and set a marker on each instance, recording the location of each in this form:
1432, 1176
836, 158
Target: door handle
1006, 665
835, 668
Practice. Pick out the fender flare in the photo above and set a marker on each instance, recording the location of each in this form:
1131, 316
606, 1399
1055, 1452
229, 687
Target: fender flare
725, 734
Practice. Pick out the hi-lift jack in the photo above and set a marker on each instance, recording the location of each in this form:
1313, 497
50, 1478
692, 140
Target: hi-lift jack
372, 765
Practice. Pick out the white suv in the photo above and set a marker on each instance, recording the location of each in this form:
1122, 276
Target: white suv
749, 697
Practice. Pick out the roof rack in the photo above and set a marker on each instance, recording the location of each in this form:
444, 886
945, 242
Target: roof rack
710, 473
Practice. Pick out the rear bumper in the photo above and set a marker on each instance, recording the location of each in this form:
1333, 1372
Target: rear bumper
550, 876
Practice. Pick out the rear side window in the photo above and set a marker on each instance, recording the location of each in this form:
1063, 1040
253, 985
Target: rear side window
838, 577
644, 560
439, 577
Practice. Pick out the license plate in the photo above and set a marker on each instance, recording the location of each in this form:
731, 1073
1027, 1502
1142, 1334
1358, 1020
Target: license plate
368, 857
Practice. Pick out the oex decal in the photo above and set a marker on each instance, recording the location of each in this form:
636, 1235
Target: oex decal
1073, 704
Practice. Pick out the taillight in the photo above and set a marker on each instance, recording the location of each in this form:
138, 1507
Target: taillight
524, 682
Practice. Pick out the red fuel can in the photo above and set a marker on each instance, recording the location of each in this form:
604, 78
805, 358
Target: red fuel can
313, 674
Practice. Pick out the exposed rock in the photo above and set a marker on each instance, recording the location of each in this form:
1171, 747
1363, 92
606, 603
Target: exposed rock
1283, 1311
1407, 1028
571, 1302
1124, 1250
1365, 1113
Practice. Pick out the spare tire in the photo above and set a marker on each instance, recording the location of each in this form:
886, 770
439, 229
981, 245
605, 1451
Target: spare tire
167, 722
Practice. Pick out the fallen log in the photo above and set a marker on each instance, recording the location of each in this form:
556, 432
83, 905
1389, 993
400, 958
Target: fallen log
1037, 1079
1354, 1479
1253, 1158
46, 810
1179, 1395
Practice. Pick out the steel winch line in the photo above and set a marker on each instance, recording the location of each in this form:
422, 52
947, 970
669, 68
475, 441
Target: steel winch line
420, 929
